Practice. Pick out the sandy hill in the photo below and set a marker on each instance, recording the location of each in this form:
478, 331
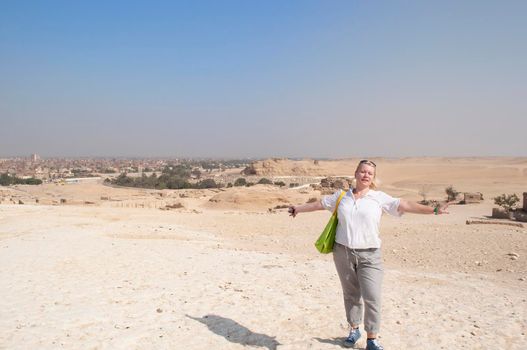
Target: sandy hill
307, 167
259, 197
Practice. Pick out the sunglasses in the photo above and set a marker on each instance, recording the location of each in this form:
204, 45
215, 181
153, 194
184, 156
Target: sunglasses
366, 161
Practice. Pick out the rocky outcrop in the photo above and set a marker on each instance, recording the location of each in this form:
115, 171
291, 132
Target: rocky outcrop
280, 166
329, 185
500, 213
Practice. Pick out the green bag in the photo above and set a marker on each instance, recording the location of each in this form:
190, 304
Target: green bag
326, 240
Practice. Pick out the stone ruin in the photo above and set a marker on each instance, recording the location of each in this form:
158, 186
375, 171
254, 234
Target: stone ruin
521, 215
329, 185
469, 197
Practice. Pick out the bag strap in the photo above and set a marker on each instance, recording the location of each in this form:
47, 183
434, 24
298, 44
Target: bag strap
338, 201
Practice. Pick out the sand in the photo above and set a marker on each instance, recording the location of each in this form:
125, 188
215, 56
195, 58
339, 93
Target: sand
222, 275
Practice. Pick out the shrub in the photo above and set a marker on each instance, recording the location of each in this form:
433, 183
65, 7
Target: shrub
6, 180
279, 183
207, 183
507, 201
265, 181
32, 181
451, 193
240, 182
423, 192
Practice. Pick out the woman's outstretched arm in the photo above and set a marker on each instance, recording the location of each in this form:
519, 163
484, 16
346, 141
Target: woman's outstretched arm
416, 208
304, 208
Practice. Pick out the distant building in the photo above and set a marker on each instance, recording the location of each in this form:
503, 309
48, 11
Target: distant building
35, 157
74, 180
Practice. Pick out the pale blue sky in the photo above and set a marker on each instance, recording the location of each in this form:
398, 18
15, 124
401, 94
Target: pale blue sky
263, 78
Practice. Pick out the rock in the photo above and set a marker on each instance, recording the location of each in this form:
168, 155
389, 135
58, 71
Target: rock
500, 213
469, 197
159, 310
521, 215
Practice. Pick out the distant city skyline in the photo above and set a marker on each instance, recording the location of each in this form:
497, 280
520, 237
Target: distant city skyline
238, 79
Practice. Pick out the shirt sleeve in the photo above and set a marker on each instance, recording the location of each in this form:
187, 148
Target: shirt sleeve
390, 204
329, 202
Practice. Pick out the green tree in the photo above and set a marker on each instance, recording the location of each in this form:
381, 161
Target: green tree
33, 181
507, 201
5, 179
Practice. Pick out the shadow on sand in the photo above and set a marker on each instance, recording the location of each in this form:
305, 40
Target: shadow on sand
235, 332
334, 341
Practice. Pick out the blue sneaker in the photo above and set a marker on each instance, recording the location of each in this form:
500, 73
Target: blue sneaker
373, 344
351, 340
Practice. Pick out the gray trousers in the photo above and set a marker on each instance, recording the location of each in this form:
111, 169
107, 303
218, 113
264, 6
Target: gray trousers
360, 272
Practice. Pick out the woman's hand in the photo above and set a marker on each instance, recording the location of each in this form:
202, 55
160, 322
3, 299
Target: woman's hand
304, 208
442, 208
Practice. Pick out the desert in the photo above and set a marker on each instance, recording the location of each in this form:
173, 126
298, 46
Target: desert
92, 266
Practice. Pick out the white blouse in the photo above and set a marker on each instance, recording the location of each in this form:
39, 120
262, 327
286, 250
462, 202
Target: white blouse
359, 220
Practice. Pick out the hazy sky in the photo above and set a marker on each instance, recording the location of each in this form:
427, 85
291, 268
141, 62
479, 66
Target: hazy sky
263, 78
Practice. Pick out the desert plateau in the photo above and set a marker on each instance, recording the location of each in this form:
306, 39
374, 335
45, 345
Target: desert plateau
93, 266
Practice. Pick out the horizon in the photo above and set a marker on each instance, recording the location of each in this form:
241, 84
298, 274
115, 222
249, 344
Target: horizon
236, 80
24, 157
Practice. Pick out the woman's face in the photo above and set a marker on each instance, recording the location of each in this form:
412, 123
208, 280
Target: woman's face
364, 175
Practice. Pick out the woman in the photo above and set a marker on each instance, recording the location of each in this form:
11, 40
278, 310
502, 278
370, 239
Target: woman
357, 253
